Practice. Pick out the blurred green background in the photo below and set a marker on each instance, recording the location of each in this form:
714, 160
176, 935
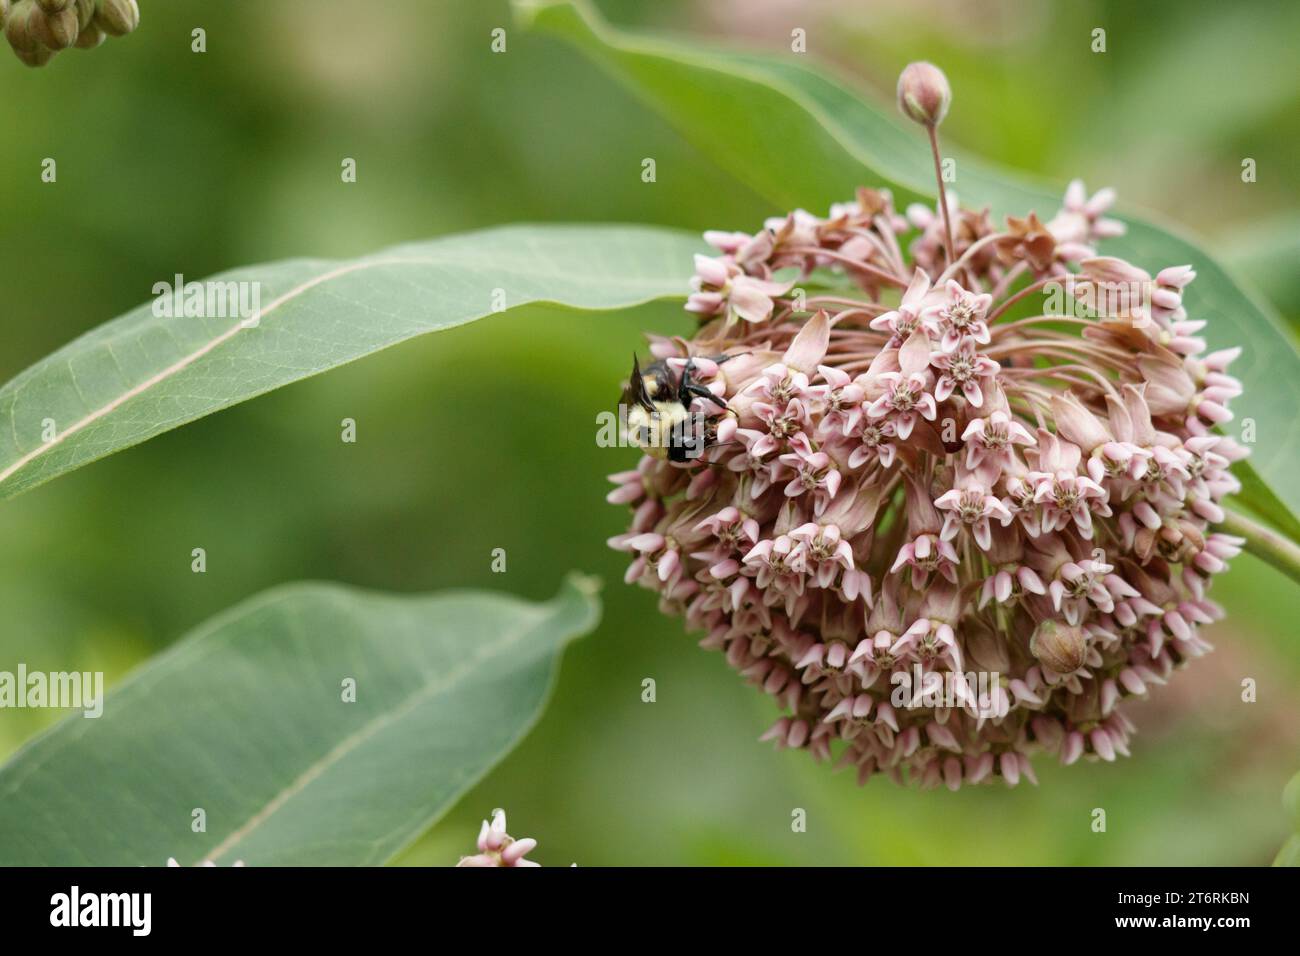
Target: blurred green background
481, 437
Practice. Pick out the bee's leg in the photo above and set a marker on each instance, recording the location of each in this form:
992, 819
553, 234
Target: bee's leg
724, 357
699, 391
689, 389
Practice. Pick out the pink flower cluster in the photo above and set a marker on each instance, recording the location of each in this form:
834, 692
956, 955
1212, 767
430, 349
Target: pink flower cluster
496, 847
942, 531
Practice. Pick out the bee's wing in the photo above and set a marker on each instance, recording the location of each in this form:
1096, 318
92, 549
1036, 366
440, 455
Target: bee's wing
634, 391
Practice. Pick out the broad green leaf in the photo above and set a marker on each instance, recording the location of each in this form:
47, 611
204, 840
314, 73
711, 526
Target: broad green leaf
800, 138
246, 719
1265, 252
1289, 855
1259, 498
140, 374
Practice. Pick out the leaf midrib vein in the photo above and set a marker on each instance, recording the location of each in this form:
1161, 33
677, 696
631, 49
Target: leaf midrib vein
345, 746
185, 361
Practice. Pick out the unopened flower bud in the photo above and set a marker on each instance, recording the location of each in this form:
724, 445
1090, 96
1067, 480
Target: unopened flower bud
17, 27
38, 29
117, 17
923, 93
58, 30
1060, 647
85, 12
90, 37
38, 57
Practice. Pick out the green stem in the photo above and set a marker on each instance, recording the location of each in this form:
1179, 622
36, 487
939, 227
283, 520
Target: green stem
1265, 544
943, 198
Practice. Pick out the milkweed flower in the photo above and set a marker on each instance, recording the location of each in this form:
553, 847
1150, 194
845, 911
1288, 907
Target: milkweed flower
960, 317
498, 848
172, 861
723, 288
941, 534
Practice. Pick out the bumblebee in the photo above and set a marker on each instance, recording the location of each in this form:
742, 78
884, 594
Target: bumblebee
659, 416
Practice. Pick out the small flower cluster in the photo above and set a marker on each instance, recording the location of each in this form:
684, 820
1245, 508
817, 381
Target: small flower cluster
171, 861
915, 479
38, 29
498, 848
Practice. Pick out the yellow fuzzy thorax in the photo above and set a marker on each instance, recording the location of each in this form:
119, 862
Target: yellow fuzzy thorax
653, 430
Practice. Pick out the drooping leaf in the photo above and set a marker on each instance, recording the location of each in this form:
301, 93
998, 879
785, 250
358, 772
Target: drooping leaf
246, 719
1265, 252
141, 374
1263, 503
1289, 855
801, 138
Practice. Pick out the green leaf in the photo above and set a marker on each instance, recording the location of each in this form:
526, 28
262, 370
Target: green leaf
1263, 503
140, 375
245, 718
1265, 252
1291, 801
800, 138
1289, 855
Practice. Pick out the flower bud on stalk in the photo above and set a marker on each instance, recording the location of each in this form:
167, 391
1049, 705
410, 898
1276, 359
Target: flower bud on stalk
91, 37
17, 26
1059, 647
57, 30
924, 96
117, 17
923, 93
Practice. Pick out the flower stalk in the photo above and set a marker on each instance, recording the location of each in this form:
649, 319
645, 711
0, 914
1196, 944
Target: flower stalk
1264, 543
